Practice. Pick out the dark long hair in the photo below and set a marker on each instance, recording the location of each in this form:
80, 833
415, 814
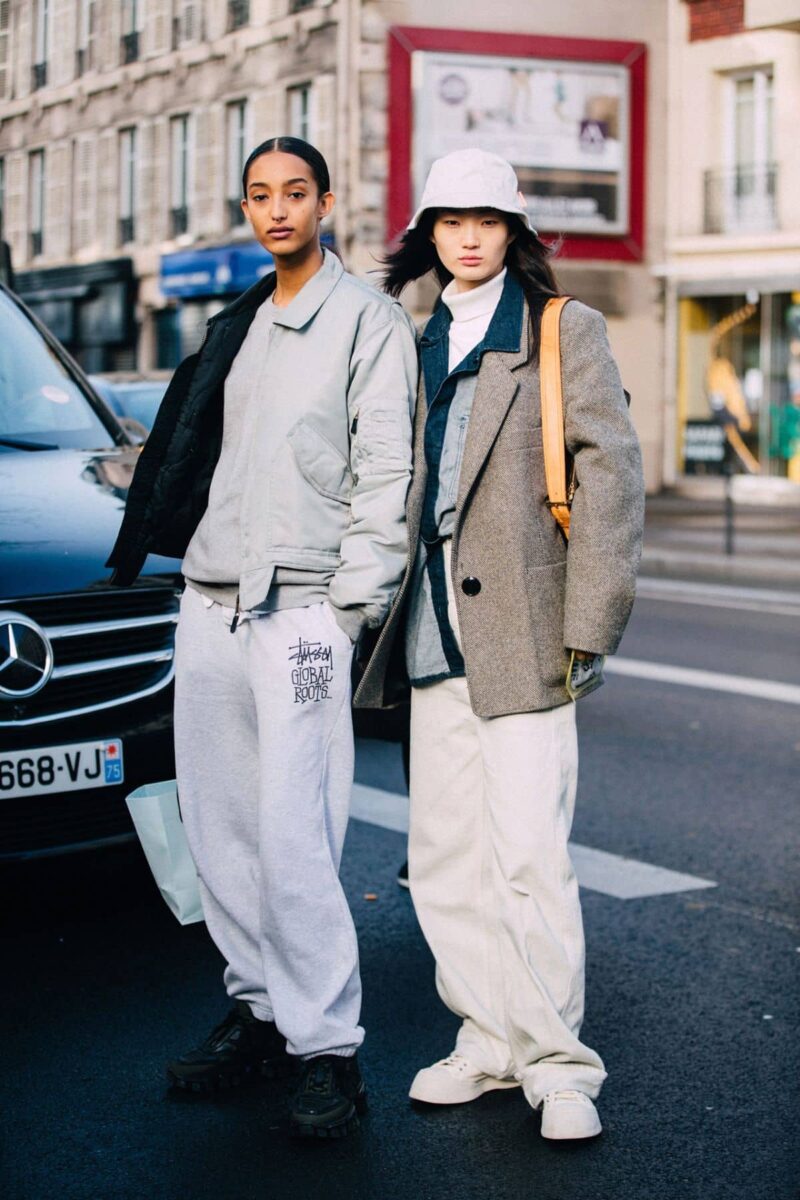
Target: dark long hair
296, 146
527, 259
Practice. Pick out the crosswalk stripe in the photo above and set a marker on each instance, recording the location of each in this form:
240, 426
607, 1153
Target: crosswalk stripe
612, 874
714, 681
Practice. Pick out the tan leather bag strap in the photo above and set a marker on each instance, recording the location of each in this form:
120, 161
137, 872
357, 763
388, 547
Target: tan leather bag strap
559, 493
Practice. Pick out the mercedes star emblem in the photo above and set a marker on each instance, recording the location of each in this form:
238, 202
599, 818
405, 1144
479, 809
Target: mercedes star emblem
26, 657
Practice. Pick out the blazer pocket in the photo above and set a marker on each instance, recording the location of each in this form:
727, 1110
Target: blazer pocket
546, 586
320, 463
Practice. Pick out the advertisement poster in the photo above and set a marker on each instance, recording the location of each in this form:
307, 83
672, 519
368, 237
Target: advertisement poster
563, 125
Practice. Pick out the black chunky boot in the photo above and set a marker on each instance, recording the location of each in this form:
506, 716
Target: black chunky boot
238, 1050
329, 1098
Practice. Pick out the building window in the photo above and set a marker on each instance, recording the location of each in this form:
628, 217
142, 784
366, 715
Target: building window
5, 6
41, 45
186, 23
296, 5
238, 13
127, 186
300, 111
236, 156
87, 27
36, 193
179, 211
741, 196
129, 42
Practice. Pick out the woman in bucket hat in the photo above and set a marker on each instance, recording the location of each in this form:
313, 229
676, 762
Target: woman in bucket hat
494, 610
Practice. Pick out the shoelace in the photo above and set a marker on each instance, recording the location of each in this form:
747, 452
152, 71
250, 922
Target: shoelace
319, 1080
454, 1060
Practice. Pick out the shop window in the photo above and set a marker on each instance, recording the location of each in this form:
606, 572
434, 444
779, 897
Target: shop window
739, 384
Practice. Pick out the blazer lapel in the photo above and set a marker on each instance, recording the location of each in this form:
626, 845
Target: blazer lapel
495, 391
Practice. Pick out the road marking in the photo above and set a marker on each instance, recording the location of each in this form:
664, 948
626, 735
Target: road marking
713, 681
597, 870
713, 595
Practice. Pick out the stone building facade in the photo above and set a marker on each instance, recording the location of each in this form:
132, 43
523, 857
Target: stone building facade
123, 124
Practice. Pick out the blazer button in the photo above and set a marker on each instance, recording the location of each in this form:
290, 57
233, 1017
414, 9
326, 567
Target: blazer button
471, 586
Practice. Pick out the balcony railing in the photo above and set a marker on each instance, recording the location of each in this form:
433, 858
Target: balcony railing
129, 46
35, 243
39, 75
741, 199
235, 214
180, 220
238, 13
127, 230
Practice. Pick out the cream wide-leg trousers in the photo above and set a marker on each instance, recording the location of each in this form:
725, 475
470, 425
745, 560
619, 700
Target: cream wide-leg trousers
493, 886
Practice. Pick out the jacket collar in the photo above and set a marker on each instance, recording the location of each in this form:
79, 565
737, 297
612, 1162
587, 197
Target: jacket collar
505, 328
306, 303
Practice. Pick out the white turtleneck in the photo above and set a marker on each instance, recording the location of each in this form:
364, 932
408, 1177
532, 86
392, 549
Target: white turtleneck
472, 312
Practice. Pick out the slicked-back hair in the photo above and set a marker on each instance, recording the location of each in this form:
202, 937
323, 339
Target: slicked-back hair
301, 149
527, 259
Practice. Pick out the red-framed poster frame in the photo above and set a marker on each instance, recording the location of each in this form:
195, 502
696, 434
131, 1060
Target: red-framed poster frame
405, 39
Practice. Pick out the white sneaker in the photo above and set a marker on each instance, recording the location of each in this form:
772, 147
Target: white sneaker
569, 1115
454, 1080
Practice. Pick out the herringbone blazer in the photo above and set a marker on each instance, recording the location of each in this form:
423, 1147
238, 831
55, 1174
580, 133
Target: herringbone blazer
539, 597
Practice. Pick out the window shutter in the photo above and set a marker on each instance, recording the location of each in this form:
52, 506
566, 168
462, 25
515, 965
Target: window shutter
59, 199
323, 119
21, 51
107, 194
158, 27
269, 114
62, 42
15, 216
207, 196
158, 197
5, 69
84, 192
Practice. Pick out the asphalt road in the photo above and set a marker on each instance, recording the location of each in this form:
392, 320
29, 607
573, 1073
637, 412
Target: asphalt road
692, 997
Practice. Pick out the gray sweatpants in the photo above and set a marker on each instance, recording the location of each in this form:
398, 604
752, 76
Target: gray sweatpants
264, 754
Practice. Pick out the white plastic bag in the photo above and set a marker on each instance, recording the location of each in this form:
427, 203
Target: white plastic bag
156, 815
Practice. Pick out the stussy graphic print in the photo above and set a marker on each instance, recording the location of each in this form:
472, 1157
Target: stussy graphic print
312, 672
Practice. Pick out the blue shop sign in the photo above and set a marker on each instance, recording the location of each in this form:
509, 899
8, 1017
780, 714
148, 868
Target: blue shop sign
216, 271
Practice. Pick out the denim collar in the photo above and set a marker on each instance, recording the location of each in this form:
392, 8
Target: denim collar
504, 335
505, 328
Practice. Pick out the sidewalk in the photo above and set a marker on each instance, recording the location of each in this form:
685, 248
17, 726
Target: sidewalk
685, 539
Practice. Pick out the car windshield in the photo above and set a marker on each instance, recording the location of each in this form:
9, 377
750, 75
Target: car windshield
139, 400
41, 406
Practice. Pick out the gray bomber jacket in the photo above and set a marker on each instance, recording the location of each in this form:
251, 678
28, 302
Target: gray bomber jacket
330, 464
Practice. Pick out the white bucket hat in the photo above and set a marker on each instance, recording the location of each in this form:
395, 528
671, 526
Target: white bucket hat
472, 179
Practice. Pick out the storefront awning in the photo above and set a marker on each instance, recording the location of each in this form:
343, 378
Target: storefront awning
216, 270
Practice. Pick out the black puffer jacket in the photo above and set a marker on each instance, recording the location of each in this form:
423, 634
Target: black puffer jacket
169, 492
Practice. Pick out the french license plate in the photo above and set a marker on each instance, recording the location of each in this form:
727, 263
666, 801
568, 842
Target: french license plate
61, 768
